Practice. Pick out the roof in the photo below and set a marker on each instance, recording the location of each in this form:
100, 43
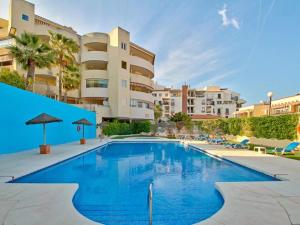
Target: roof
83, 121
142, 49
43, 118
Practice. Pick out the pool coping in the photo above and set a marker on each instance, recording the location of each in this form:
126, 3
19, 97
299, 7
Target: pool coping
284, 212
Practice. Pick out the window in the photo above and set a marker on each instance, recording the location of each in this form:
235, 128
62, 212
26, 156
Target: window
96, 83
219, 111
123, 46
219, 102
133, 102
227, 111
147, 105
154, 94
160, 94
140, 104
166, 94
219, 96
124, 83
25, 17
124, 65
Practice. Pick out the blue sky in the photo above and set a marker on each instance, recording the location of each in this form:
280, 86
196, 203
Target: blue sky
249, 46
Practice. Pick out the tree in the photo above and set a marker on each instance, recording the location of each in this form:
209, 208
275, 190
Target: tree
64, 50
181, 120
71, 79
157, 112
31, 53
180, 117
12, 78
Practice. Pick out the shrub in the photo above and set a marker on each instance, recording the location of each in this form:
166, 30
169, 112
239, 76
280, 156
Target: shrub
140, 126
122, 128
279, 127
12, 78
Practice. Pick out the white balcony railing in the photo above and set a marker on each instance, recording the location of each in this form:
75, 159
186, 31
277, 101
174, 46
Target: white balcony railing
134, 60
94, 56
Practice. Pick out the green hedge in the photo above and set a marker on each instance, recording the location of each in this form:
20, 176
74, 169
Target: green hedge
278, 127
121, 128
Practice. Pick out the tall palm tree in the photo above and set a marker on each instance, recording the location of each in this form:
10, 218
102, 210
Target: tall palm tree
71, 79
31, 53
64, 50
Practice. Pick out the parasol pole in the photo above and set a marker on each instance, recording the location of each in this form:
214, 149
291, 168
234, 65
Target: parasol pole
82, 131
44, 133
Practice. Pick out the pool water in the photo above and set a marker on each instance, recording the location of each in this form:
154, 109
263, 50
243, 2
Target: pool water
113, 182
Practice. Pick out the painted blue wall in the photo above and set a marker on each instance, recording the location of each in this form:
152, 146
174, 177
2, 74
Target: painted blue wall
17, 106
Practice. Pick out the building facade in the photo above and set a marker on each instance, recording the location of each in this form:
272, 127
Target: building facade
116, 74
208, 103
287, 105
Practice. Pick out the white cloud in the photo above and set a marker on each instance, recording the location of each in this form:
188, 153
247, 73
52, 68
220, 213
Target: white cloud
195, 60
228, 21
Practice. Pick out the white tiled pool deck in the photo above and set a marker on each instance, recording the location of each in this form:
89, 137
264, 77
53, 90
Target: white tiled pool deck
246, 203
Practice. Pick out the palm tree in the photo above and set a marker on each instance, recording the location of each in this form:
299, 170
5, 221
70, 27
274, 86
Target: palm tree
31, 53
71, 79
157, 112
64, 50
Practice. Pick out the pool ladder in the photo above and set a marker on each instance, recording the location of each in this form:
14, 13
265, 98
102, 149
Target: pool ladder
150, 195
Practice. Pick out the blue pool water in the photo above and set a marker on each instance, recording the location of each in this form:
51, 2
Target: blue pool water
113, 182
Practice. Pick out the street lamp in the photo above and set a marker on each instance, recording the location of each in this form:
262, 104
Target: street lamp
270, 94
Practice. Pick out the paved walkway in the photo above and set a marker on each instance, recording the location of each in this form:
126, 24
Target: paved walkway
258, 203
246, 203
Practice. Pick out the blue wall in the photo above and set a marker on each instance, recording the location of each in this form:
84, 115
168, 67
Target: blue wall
17, 106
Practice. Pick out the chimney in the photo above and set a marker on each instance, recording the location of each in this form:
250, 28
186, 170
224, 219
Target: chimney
184, 89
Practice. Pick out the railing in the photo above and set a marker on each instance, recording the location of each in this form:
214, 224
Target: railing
12, 177
6, 58
150, 196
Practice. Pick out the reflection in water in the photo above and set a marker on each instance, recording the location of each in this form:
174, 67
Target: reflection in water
113, 182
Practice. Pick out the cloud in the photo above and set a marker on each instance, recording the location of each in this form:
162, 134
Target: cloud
196, 60
228, 21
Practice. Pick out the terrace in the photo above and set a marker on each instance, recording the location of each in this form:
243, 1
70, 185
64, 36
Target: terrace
271, 202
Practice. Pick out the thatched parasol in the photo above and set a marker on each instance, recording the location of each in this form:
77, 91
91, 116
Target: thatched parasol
83, 122
43, 119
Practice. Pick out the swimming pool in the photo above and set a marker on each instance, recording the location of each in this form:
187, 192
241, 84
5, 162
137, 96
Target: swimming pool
113, 182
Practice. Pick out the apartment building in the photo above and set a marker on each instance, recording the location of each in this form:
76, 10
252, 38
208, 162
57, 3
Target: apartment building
280, 106
200, 103
116, 74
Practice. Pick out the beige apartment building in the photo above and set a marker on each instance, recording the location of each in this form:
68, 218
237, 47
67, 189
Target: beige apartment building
210, 102
280, 106
116, 74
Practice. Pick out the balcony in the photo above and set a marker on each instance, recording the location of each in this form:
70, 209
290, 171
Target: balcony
94, 56
101, 110
42, 30
140, 62
94, 74
45, 89
94, 37
142, 96
142, 113
142, 80
93, 92
46, 72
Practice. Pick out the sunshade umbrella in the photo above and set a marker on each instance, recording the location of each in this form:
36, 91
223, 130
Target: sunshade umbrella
83, 122
43, 119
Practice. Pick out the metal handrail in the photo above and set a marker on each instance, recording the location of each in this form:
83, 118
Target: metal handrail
150, 196
12, 177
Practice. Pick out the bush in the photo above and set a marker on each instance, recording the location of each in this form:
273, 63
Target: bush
141, 126
278, 127
121, 128
12, 78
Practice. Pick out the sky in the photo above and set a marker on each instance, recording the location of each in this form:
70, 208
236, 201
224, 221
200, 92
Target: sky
249, 46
